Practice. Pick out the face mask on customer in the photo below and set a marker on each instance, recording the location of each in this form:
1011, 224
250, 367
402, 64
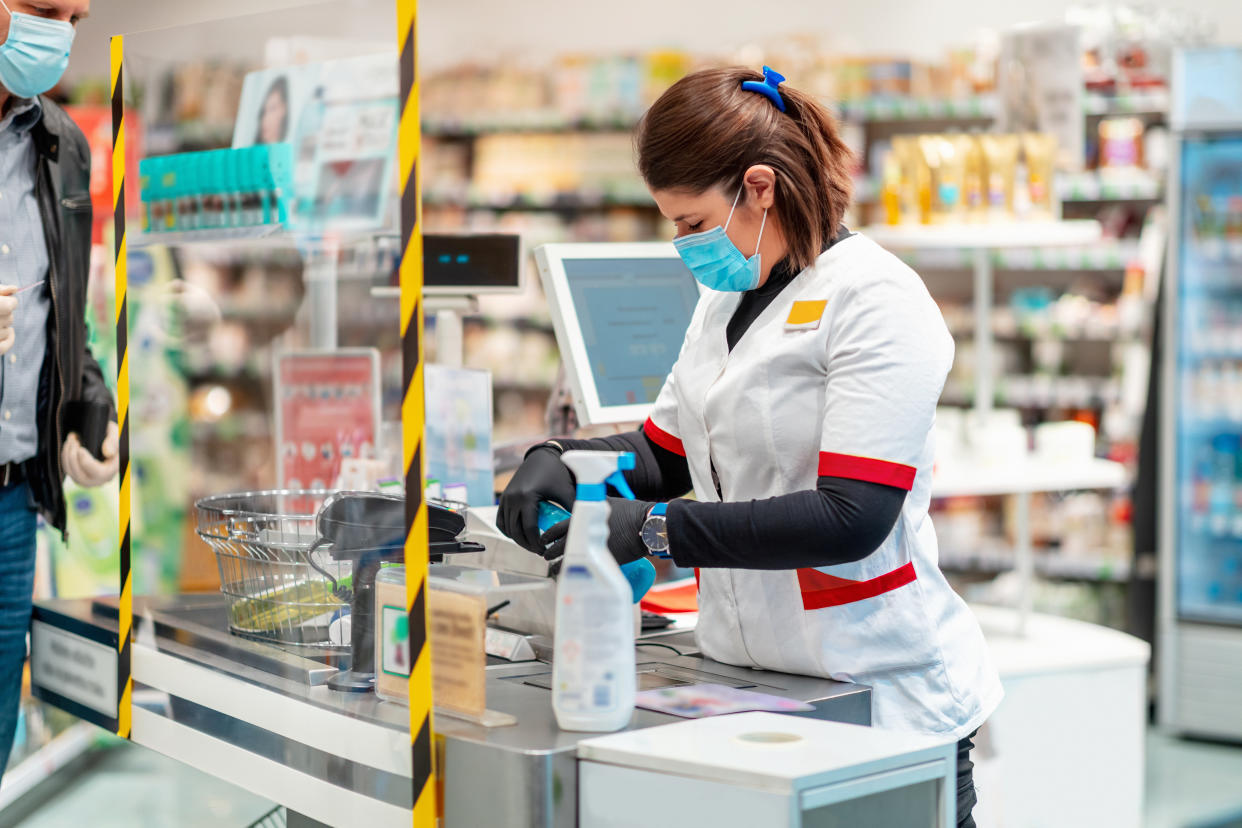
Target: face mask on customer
715, 260
35, 54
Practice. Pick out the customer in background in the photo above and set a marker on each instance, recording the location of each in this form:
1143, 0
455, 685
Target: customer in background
45, 239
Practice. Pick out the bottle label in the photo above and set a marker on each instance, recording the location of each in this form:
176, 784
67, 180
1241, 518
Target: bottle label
589, 615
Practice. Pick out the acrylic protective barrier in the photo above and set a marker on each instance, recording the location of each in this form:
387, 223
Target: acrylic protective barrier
262, 375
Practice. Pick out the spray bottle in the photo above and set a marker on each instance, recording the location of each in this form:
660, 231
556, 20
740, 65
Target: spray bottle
593, 665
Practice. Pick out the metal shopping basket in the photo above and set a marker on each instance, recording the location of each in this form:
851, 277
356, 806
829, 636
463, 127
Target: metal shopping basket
281, 584
287, 559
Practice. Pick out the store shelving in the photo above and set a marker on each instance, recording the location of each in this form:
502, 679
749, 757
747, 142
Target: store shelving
561, 203
977, 108
869, 109
988, 236
1048, 564
985, 107
1095, 186
1140, 102
265, 235
1028, 477
1114, 254
524, 122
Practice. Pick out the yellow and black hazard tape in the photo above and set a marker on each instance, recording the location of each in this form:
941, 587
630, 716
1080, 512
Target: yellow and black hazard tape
124, 679
412, 421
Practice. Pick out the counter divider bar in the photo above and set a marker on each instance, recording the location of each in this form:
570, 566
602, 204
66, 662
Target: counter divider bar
124, 677
426, 809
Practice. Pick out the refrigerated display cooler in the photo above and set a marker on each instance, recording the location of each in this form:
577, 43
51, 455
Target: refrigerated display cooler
1200, 644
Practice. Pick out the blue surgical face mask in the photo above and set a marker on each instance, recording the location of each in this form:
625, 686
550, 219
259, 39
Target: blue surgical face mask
35, 54
715, 260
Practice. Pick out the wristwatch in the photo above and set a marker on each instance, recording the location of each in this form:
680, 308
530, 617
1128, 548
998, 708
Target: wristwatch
655, 531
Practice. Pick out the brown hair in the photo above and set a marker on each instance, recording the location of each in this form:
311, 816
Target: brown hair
706, 131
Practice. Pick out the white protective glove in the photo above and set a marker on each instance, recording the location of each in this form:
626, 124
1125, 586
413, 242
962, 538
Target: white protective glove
8, 307
82, 466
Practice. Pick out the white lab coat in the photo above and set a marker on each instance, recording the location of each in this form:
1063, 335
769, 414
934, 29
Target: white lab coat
840, 376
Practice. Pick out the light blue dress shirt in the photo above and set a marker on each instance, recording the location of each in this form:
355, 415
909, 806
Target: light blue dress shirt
23, 261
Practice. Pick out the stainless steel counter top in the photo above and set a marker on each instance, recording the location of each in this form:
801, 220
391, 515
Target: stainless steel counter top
263, 706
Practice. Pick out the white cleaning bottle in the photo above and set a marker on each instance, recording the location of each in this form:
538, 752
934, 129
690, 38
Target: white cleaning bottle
593, 661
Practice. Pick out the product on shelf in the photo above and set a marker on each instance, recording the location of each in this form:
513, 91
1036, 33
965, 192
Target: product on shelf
1121, 145
1040, 151
217, 189
1000, 155
950, 179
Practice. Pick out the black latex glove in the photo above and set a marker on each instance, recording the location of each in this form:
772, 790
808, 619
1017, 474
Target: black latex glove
542, 476
625, 526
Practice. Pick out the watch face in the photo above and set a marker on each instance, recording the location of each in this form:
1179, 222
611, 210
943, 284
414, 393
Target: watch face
655, 533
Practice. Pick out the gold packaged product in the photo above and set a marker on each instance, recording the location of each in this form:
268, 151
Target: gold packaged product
974, 205
1040, 150
928, 177
911, 169
1000, 164
949, 181
891, 185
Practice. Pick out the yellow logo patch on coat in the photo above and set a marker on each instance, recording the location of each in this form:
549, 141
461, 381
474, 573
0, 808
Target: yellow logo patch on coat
805, 315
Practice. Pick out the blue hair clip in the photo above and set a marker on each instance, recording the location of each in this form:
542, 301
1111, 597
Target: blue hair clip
771, 80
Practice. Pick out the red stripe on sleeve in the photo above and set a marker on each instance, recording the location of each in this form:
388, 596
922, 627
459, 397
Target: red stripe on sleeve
662, 438
867, 469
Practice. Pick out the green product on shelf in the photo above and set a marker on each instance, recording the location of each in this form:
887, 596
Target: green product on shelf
228, 188
168, 194
261, 209
147, 178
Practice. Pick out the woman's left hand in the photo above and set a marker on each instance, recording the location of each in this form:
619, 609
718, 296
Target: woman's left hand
625, 526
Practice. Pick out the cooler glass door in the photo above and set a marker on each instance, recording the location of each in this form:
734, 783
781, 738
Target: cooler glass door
1209, 389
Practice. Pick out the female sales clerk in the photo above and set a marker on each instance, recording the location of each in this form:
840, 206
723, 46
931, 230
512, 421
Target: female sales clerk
800, 412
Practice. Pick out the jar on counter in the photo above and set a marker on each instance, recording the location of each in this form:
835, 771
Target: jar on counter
392, 636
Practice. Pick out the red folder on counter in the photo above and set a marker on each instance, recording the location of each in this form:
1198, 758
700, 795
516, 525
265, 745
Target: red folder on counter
675, 596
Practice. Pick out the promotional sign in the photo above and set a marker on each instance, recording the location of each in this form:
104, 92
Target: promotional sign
327, 411
1041, 88
344, 142
459, 432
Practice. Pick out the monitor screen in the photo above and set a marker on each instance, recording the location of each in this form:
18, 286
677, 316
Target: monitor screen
633, 314
473, 263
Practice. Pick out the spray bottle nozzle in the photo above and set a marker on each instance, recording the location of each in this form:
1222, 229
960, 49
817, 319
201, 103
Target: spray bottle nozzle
595, 469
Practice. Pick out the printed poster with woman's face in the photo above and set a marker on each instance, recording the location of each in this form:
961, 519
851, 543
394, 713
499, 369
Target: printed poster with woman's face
341, 118
271, 103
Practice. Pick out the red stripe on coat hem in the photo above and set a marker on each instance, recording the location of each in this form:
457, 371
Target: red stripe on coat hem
867, 469
817, 596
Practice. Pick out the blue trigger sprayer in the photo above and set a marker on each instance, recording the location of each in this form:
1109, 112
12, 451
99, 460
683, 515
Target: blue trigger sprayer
640, 573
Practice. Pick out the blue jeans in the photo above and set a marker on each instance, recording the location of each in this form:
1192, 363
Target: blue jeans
17, 563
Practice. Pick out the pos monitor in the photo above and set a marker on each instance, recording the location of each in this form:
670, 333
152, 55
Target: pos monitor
620, 312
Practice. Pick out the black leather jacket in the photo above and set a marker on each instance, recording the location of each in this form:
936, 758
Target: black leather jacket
70, 372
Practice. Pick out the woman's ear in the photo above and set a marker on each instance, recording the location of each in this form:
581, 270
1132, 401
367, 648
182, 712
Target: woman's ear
760, 183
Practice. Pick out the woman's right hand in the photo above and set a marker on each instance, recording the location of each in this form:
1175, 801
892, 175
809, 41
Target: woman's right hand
542, 476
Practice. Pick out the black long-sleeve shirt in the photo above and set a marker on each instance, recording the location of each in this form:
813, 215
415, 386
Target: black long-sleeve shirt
839, 521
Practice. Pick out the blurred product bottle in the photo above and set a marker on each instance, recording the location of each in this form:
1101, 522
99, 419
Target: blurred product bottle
1224, 464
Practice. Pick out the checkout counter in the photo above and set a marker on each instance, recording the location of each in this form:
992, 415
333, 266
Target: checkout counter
264, 718
277, 718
